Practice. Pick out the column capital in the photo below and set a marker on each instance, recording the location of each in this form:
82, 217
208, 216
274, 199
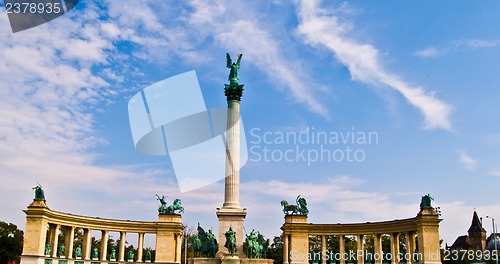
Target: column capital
233, 91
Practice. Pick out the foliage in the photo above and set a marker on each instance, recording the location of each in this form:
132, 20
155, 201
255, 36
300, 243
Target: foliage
11, 243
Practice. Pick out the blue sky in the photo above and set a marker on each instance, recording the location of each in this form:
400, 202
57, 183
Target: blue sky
422, 75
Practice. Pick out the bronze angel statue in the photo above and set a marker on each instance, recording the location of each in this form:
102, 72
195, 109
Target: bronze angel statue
233, 74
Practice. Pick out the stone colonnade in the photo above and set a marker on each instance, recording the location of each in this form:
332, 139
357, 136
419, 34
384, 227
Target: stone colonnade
43, 224
424, 228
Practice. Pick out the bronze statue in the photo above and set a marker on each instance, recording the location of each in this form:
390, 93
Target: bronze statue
112, 255
299, 209
95, 253
47, 249
205, 244
233, 74
426, 201
230, 240
78, 252
148, 256
171, 209
39, 194
252, 245
62, 251
130, 255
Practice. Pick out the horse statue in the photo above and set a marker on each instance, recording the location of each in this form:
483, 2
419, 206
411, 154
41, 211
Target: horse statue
230, 241
196, 245
263, 246
252, 246
299, 209
176, 206
207, 246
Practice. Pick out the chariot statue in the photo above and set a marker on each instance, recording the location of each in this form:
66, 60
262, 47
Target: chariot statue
299, 209
426, 201
175, 208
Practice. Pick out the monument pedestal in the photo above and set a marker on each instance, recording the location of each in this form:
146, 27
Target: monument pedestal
234, 218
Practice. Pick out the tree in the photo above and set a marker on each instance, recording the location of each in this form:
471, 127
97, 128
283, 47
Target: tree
276, 249
11, 243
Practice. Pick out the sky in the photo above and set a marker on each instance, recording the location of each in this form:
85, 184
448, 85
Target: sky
407, 92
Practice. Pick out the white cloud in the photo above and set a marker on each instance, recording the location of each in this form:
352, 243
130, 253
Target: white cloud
429, 52
322, 28
454, 46
259, 47
467, 161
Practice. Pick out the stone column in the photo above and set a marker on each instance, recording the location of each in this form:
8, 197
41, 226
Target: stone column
104, 244
285, 249
377, 248
55, 238
428, 236
87, 243
140, 247
232, 182
395, 248
70, 239
178, 247
410, 245
231, 214
323, 249
360, 254
121, 250
342, 249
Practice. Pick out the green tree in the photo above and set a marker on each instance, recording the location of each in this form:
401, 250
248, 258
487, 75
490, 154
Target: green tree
11, 243
276, 249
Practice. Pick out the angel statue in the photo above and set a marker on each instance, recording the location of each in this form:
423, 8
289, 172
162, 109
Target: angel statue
233, 74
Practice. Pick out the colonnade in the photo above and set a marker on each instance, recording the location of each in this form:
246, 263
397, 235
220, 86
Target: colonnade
87, 243
43, 225
424, 228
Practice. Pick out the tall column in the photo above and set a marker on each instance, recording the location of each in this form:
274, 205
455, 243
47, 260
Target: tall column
104, 244
360, 254
140, 247
285, 249
323, 249
395, 248
410, 246
232, 182
121, 250
231, 214
55, 240
377, 248
87, 243
70, 239
343, 256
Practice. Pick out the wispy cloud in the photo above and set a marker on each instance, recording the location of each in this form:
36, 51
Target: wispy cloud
467, 161
248, 36
429, 52
323, 28
456, 46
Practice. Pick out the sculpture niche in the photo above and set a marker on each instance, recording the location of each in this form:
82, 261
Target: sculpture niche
299, 209
205, 244
170, 209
